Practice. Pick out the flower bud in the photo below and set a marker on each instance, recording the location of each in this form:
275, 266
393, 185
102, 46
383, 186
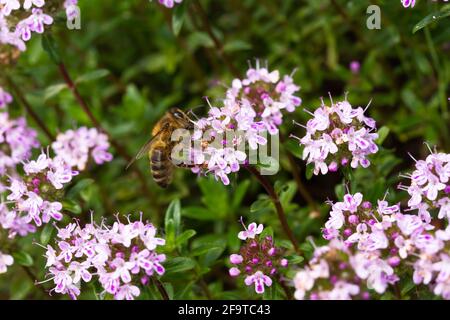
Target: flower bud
234, 272
236, 259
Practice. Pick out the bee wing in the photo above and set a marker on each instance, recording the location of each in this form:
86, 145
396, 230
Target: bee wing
144, 150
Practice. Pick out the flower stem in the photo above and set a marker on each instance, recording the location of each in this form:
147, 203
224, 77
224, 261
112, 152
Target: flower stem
161, 289
302, 190
29, 109
285, 289
278, 207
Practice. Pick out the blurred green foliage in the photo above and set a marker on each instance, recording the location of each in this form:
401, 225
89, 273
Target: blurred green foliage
134, 59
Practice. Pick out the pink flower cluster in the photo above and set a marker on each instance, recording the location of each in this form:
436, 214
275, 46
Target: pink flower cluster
75, 147
169, 3
34, 197
18, 33
338, 135
380, 244
329, 276
429, 187
17, 141
252, 108
258, 259
120, 257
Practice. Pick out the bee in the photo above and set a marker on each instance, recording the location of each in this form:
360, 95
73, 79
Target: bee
160, 145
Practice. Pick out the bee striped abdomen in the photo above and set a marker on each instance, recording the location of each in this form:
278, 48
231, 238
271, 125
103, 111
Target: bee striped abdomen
161, 167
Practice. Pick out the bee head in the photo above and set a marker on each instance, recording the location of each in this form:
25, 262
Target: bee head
181, 118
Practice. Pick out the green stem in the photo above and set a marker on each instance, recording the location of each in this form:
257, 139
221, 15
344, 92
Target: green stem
278, 207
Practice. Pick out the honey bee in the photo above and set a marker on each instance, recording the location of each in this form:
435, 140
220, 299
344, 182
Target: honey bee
160, 145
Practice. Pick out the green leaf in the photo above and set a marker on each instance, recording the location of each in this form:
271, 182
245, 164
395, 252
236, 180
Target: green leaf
295, 259
170, 234
93, 75
179, 14
267, 232
215, 196
211, 255
178, 264
239, 193
20, 288
382, 135
23, 258
294, 148
71, 206
185, 236
79, 187
309, 171
46, 233
288, 193
433, 17
260, 204
54, 90
236, 45
339, 190
199, 213
50, 46
173, 214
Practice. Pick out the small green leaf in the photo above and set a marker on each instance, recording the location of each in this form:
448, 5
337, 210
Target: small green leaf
239, 193
79, 187
267, 232
20, 288
309, 171
339, 190
260, 204
46, 233
50, 46
294, 148
179, 14
91, 76
433, 17
23, 258
173, 214
54, 90
295, 259
178, 264
199, 213
382, 134
211, 256
236, 45
71, 206
185, 236
170, 234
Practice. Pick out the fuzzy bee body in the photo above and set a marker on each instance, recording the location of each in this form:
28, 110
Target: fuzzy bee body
160, 146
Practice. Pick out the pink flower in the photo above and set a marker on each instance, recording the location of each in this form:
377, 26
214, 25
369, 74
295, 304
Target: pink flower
259, 280
355, 67
127, 292
408, 3
29, 3
5, 261
5, 98
251, 231
169, 3
9, 5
